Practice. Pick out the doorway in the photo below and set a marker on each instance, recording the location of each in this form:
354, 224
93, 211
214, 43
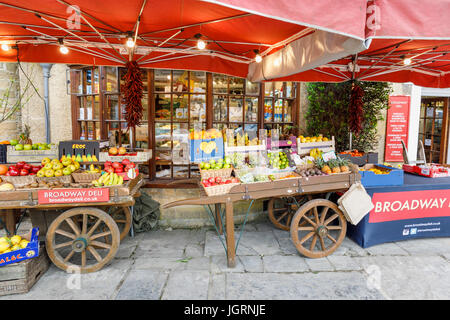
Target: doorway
433, 128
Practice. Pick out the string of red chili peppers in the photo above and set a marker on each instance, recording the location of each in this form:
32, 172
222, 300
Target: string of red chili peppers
355, 109
132, 94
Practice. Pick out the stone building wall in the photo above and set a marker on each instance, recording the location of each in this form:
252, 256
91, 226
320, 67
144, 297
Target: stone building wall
10, 127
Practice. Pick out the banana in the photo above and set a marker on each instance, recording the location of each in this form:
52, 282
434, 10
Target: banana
120, 180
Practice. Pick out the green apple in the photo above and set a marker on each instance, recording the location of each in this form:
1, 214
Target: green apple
226, 166
202, 165
218, 166
67, 162
13, 142
41, 147
48, 166
35, 146
227, 160
207, 166
27, 147
57, 166
18, 147
212, 162
66, 171
220, 161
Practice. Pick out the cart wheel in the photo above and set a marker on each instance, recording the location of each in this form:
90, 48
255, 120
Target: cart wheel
321, 220
122, 217
82, 249
281, 217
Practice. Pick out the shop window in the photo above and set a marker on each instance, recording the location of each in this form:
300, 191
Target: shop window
279, 103
180, 107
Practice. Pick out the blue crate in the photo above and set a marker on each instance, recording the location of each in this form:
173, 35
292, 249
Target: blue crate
370, 179
31, 251
197, 155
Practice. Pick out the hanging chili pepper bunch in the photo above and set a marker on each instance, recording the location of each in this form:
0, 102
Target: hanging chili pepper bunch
355, 109
132, 94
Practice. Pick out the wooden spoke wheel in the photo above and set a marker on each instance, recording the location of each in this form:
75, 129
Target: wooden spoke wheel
122, 217
282, 210
84, 247
318, 228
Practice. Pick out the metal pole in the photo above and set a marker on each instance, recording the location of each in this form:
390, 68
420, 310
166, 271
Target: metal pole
46, 67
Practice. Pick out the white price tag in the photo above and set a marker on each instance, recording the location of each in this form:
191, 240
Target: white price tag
327, 156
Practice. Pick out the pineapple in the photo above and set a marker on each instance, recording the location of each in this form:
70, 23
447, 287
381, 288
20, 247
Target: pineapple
343, 164
24, 137
334, 166
323, 166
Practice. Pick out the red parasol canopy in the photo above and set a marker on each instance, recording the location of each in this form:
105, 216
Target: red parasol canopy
410, 42
166, 32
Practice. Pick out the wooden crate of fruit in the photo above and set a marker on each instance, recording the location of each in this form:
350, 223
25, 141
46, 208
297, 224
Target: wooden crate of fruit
33, 156
304, 148
20, 277
119, 154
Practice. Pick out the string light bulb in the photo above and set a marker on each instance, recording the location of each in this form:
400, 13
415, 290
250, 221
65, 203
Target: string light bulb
130, 42
407, 61
258, 57
5, 47
62, 48
200, 43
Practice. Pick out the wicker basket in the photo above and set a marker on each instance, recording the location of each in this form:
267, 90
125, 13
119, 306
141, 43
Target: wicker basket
219, 189
223, 173
85, 177
62, 179
19, 181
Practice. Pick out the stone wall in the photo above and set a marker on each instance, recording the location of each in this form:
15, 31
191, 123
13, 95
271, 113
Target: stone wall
8, 73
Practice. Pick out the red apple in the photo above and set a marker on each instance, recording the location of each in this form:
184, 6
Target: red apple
27, 166
116, 165
19, 165
211, 180
32, 174
118, 170
108, 163
109, 169
218, 180
235, 180
14, 172
228, 181
205, 181
12, 168
7, 174
126, 162
24, 172
35, 169
131, 165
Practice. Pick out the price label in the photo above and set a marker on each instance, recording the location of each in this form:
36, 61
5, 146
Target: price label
327, 156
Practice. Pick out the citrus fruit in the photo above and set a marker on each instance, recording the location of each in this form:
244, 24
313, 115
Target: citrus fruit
23, 243
4, 246
15, 239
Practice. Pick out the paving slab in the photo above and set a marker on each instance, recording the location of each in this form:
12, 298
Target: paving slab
344, 263
309, 286
279, 263
142, 285
408, 277
350, 248
426, 246
194, 286
252, 263
319, 265
219, 265
198, 263
157, 263
217, 290
387, 249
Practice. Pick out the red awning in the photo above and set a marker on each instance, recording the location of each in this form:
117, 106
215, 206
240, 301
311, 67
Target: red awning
165, 31
410, 42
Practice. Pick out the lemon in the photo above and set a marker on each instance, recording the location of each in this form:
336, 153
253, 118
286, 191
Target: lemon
15, 247
325, 139
15, 239
7, 250
4, 246
23, 243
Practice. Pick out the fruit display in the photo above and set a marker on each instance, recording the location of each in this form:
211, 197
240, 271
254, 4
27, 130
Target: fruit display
212, 164
319, 138
309, 172
119, 167
204, 134
57, 168
12, 244
316, 153
353, 153
278, 160
214, 181
338, 165
114, 151
6, 186
108, 179
20, 169
376, 170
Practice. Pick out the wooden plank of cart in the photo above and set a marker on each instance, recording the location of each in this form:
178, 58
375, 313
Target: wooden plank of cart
81, 235
299, 205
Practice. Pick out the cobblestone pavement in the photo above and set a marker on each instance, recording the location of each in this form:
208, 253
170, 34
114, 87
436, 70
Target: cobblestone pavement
191, 264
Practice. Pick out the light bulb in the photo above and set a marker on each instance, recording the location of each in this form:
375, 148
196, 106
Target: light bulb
201, 44
168, 77
130, 42
63, 49
258, 58
5, 47
407, 61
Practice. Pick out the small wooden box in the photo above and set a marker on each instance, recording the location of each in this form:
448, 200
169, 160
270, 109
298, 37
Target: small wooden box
20, 277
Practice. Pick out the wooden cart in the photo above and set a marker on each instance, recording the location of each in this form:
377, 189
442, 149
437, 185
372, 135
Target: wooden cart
79, 237
299, 205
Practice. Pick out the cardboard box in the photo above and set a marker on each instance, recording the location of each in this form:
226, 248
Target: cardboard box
198, 153
371, 179
31, 251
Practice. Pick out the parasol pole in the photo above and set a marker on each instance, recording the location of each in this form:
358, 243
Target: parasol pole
355, 58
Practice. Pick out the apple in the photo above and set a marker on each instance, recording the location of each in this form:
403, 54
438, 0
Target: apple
131, 165
13, 172
234, 180
205, 181
27, 166
72, 167
57, 166
227, 160
118, 170
32, 174
27, 147
108, 163
58, 173
207, 166
212, 180
226, 166
24, 172
202, 165
40, 173
12, 168
35, 169
35, 146
109, 169
66, 171
207, 184
13, 142
218, 180
48, 166
67, 162
116, 165
228, 181
20, 164
18, 147
126, 161
212, 162
49, 173
45, 161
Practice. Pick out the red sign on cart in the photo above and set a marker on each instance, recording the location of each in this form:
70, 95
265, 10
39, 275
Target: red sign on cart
393, 206
59, 196
397, 128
